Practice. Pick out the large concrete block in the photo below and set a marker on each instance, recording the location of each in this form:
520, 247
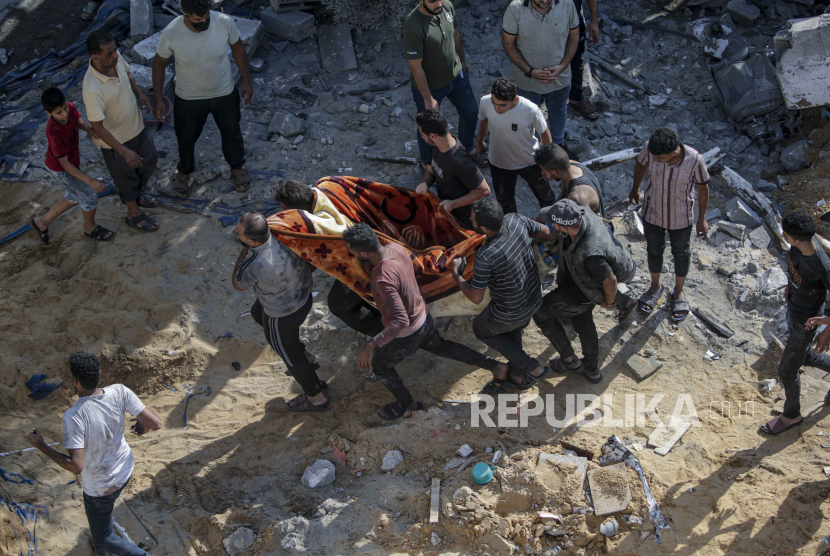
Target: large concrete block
145, 51
802, 62
337, 48
144, 77
294, 26
142, 22
742, 12
251, 32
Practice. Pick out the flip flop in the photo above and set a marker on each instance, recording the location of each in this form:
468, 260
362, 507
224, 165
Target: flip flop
394, 410
529, 381
138, 220
650, 300
679, 306
776, 426
44, 234
241, 180
559, 366
301, 404
624, 312
180, 185
100, 233
497, 385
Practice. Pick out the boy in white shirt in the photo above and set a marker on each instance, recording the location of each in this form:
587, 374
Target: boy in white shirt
93, 432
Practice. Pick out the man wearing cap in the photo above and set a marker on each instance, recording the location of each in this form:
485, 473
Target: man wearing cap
591, 264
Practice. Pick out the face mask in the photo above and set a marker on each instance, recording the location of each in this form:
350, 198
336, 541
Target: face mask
202, 25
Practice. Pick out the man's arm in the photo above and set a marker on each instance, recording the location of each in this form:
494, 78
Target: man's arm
593, 28
483, 126
609, 288
426, 181
246, 92
459, 49
702, 227
74, 462
142, 98
547, 137
543, 233
420, 78
473, 294
144, 421
159, 64
570, 50
239, 259
639, 174
130, 156
480, 192
398, 320
508, 42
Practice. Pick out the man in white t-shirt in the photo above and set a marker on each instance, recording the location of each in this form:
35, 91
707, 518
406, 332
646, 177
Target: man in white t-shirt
93, 432
199, 41
513, 123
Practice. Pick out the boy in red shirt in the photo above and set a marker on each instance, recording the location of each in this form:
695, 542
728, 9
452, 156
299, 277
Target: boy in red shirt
63, 159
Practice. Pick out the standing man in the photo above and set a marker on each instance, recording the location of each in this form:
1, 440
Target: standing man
513, 122
675, 172
282, 283
576, 99
541, 37
579, 184
808, 269
407, 324
93, 432
591, 264
199, 42
109, 93
432, 44
451, 168
505, 264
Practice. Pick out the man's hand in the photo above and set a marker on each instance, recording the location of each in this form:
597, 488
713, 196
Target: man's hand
35, 439
455, 266
246, 92
92, 136
138, 428
465, 67
815, 322
822, 341
543, 75
132, 158
422, 188
364, 358
159, 112
431, 103
634, 196
593, 32
97, 185
481, 148
447, 205
556, 70
145, 102
702, 228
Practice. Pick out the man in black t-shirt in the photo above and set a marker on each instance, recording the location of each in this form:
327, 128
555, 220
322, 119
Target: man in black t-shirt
452, 170
808, 268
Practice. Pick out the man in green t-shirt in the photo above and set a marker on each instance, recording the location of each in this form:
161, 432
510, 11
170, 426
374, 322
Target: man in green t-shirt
432, 43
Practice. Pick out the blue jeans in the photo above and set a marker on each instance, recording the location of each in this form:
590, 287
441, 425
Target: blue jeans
99, 514
557, 103
460, 93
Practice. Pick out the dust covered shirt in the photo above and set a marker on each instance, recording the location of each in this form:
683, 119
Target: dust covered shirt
281, 279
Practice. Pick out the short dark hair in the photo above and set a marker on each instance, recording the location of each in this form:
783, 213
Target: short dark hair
799, 225
96, 41
196, 7
362, 238
293, 193
52, 99
664, 140
432, 121
255, 227
552, 157
489, 213
504, 89
86, 368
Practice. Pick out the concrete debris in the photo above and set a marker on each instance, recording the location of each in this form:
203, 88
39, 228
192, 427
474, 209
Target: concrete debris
727, 25
239, 540
142, 21
293, 533
144, 52
743, 13
738, 231
144, 78
794, 156
453, 463
663, 438
280, 46
767, 385
642, 367
739, 212
609, 528
465, 451
658, 100
760, 238
575, 481
802, 52
765, 187
294, 26
712, 214
297, 140
434, 539
741, 144
610, 491
772, 281
337, 48
257, 65
391, 460
320, 473
286, 125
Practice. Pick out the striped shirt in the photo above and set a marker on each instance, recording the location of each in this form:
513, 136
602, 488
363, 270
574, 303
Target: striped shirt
669, 192
506, 264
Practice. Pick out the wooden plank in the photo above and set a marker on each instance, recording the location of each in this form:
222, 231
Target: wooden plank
435, 499
706, 316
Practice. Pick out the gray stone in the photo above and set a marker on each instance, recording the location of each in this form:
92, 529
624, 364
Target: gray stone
772, 280
251, 32
391, 460
719, 239
643, 367
716, 129
304, 59
294, 26
626, 129
739, 212
297, 140
144, 78
286, 125
738, 231
142, 22
320, 473
712, 214
280, 46
465, 451
760, 238
337, 48
727, 25
293, 533
765, 187
239, 540
629, 108
144, 51
794, 157
743, 13
751, 268
257, 65
740, 144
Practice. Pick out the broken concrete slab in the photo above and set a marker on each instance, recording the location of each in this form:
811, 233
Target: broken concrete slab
142, 22
642, 367
337, 48
664, 437
144, 78
727, 25
813, 392
391, 460
294, 26
320, 473
610, 490
738, 231
794, 156
802, 52
304, 59
742, 12
739, 212
760, 238
571, 478
144, 51
239, 540
765, 186
772, 280
251, 32
287, 125
712, 214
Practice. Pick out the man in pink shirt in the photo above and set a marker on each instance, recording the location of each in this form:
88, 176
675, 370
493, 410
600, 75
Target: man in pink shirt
407, 325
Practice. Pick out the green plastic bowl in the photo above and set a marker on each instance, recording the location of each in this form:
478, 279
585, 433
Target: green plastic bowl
482, 473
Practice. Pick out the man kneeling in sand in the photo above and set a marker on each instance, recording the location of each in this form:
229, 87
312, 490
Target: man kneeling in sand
282, 282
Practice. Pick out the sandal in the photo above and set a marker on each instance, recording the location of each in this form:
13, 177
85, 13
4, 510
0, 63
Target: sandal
301, 404
180, 184
142, 222
648, 301
395, 410
146, 202
241, 180
776, 426
44, 234
90, 10
577, 366
100, 233
585, 108
624, 311
497, 385
679, 306
529, 381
